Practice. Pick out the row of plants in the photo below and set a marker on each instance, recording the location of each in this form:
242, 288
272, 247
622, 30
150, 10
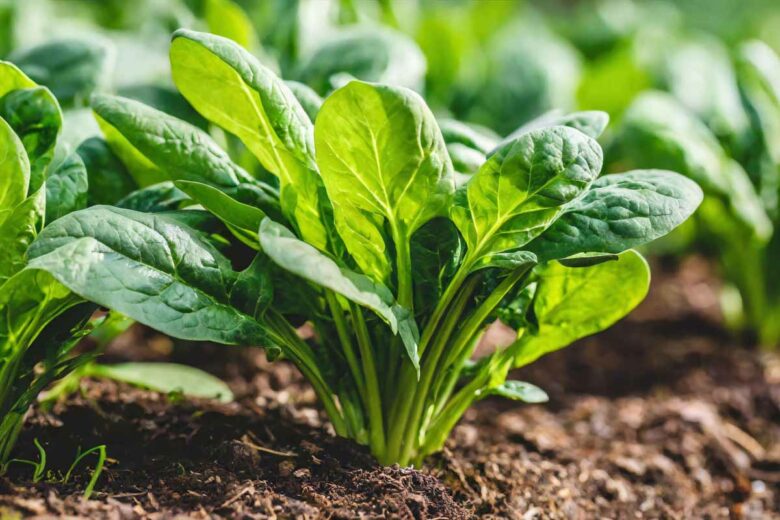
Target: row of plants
387, 191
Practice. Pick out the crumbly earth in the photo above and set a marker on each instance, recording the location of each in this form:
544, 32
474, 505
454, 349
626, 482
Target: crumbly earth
663, 416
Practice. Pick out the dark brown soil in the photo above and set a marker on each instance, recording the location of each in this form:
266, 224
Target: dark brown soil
664, 416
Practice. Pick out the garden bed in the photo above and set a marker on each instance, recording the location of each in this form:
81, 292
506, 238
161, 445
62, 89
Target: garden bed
661, 416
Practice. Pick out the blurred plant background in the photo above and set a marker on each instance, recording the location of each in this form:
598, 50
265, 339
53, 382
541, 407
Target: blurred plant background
690, 85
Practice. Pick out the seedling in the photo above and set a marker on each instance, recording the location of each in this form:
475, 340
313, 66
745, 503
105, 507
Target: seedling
366, 235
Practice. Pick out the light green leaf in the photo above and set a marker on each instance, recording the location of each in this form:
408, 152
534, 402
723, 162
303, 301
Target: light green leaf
29, 300
151, 268
227, 19
522, 189
167, 378
301, 259
573, 302
15, 168
384, 163
66, 188
242, 219
520, 391
11, 78
619, 212
230, 88
17, 232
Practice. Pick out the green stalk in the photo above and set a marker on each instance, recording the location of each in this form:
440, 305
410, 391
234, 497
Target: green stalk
401, 436
300, 353
464, 336
345, 339
373, 397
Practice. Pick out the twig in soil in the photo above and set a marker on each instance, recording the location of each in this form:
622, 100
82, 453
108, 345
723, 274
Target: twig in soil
245, 440
249, 488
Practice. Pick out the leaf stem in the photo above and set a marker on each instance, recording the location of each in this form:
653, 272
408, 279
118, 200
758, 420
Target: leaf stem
376, 424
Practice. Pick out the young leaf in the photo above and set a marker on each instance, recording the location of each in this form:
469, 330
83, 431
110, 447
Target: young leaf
167, 378
229, 87
66, 188
520, 391
151, 268
384, 163
619, 212
573, 302
35, 116
298, 257
11, 78
522, 189
243, 219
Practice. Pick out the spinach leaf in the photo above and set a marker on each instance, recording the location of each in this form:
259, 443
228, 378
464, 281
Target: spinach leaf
66, 188
385, 141
573, 302
522, 189
153, 269
230, 88
35, 116
619, 212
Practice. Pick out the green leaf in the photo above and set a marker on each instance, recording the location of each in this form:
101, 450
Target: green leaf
384, 163
71, 68
472, 136
590, 122
619, 212
695, 62
436, 251
373, 54
177, 149
230, 88
66, 188
227, 19
35, 116
29, 300
522, 189
658, 132
520, 391
11, 78
18, 230
168, 378
155, 198
571, 303
307, 97
165, 99
242, 219
15, 168
108, 179
301, 259
151, 268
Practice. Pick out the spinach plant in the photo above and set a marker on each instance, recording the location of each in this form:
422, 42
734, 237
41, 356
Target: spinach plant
739, 170
41, 319
366, 234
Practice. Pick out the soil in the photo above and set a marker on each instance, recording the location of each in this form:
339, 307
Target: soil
663, 416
